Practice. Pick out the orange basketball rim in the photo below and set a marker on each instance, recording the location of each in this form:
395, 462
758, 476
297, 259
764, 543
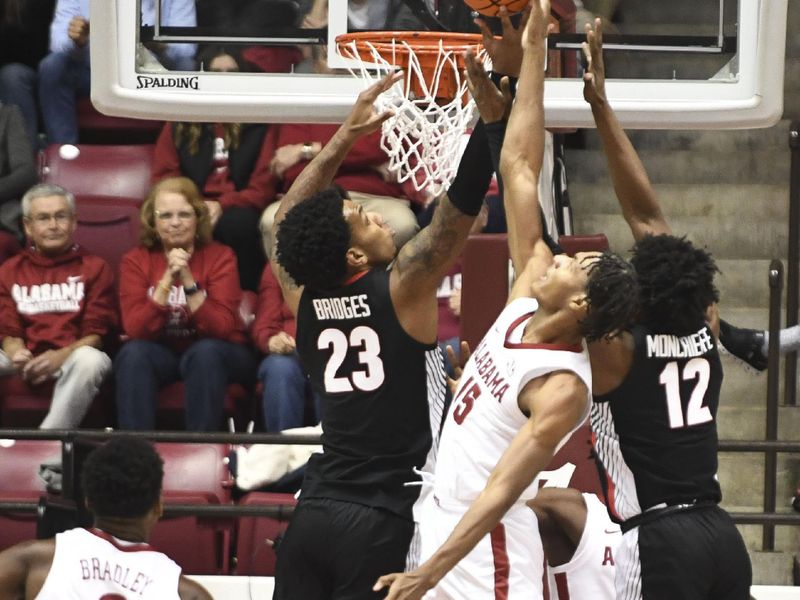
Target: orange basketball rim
432, 49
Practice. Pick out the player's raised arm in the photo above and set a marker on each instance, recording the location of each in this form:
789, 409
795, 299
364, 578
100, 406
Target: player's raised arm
319, 173
424, 260
522, 155
523, 147
635, 193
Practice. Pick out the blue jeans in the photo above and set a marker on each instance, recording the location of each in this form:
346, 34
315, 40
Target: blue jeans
286, 388
207, 367
18, 87
62, 78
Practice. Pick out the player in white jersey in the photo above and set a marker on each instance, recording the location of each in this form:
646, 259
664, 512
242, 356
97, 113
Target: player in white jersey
525, 389
579, 541
122, 484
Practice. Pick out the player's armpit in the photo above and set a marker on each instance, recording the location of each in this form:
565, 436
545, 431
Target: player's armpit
540, 260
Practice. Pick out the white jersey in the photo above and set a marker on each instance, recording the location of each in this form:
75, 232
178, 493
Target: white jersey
591, 570
91, 564
484, 415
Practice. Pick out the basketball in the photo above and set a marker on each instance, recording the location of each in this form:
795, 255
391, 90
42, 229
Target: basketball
490, 8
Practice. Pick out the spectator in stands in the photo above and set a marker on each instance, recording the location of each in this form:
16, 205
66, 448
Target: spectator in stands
364, 174
229, 163
57, 306
64, 73
24, 36
255, 15
17, 169
285, 383
122, 483
179, 297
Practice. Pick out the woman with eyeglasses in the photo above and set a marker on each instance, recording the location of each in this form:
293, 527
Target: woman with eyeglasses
179, 299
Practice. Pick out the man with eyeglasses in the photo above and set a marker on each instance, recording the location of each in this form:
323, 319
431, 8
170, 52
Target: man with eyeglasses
57, 306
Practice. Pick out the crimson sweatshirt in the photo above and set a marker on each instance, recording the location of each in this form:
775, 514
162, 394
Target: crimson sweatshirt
50, 302
214, 269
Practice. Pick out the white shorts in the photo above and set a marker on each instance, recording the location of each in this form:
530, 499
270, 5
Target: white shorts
507, 563
590, 573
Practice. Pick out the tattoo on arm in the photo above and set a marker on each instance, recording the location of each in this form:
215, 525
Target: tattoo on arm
432, 249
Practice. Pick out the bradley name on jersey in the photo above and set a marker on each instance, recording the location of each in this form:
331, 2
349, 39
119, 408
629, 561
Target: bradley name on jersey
347, 307
671, 346
106, 571
49, 297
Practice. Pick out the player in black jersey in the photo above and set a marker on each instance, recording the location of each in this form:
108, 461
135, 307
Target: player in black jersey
366, 335
656, 392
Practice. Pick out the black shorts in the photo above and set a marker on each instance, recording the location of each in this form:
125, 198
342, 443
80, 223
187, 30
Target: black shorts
692, 555
335, 550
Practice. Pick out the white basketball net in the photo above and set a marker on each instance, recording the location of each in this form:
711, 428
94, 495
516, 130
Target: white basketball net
424, 138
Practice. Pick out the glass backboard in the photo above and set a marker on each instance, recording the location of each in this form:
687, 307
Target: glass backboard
719, 67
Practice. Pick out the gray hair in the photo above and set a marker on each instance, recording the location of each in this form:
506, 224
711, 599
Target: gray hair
43, 190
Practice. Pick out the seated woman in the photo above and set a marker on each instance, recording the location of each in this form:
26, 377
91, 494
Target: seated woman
179, 298
229, 163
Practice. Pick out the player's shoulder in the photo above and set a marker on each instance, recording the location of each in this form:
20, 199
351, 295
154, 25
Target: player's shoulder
33, 552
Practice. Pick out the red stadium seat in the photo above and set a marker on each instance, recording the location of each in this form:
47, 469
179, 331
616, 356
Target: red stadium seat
19, 481
484, 284
254, 552
23, 405
119, 171
238, 404
195, 474
97, 128
572, 244
108, 227
9, 246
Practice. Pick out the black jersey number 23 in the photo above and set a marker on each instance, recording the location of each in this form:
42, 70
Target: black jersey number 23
369, 376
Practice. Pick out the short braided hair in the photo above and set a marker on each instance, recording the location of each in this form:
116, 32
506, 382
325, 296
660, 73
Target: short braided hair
611, 292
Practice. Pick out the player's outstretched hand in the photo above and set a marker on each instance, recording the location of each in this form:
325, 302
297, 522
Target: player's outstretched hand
538, 24
505, 51
493, 104
362, 118
594, 79
404, 586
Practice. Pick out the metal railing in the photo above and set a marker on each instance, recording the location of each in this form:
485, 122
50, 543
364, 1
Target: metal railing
771, 447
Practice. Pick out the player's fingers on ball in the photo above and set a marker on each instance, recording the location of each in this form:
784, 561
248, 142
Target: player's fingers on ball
505, 19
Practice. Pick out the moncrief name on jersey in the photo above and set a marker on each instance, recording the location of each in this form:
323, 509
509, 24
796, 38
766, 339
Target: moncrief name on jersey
347, 307
103, 570
671, 346
487, 371
49, 297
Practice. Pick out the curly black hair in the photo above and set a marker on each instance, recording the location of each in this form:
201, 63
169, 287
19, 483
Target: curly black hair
676, 283
611, 293
122, 478
312, 241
